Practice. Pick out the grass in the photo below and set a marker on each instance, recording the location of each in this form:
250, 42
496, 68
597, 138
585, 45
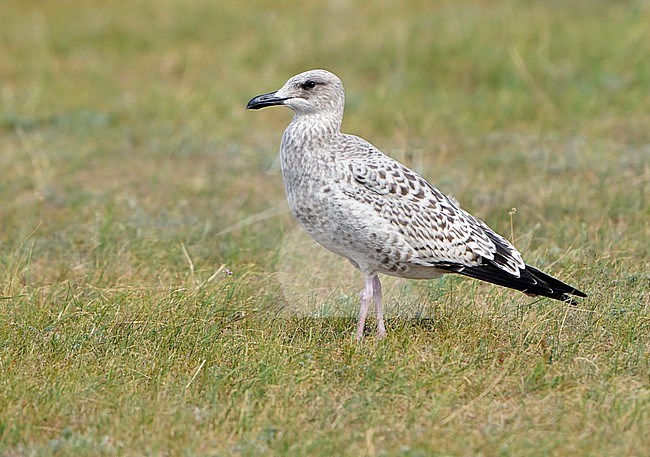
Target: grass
138, 318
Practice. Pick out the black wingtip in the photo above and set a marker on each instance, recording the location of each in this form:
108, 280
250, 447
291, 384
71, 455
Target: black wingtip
563, 290
531, 281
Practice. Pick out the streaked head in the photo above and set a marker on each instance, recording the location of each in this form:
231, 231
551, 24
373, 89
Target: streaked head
311, 92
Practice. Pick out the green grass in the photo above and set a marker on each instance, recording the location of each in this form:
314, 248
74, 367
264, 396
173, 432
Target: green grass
126, 155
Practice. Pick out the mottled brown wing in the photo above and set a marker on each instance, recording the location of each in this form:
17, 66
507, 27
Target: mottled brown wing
437, 229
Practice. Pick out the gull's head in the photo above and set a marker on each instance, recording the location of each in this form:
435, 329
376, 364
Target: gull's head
311, 92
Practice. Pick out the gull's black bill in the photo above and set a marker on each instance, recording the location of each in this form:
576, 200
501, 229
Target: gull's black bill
264, 100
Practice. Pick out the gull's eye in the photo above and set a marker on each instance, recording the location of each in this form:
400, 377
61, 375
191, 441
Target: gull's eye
308, 85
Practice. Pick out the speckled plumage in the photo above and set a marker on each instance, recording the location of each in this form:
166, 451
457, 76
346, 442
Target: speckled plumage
382, 216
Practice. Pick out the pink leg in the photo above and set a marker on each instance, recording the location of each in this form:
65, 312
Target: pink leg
366, 296
381, 329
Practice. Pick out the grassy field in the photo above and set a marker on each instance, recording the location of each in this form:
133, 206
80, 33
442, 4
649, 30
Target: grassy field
148, 266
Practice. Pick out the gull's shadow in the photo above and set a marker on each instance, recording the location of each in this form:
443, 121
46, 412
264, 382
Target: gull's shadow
343, 327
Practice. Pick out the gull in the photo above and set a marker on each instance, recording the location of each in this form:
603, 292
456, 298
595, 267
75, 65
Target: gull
383, 217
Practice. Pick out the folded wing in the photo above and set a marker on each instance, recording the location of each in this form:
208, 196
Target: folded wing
442, 234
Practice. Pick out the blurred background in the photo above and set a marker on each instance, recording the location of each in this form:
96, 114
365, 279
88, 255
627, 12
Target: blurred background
123, 124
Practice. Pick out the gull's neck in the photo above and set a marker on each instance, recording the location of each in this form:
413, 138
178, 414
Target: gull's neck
311, 128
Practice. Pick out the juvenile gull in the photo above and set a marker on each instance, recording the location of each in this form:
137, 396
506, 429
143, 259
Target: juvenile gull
379, 214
